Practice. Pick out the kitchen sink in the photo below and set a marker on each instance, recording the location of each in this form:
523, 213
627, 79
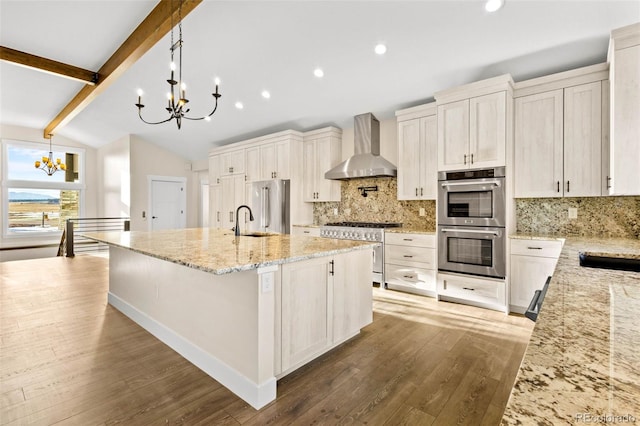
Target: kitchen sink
258, 234
609, 262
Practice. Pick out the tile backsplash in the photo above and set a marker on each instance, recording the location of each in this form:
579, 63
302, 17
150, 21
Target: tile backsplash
597, 216
377, 206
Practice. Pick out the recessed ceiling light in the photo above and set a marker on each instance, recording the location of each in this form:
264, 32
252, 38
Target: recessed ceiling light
493, 5
318, 72
239, 105
266, 94
380, 49
207, 118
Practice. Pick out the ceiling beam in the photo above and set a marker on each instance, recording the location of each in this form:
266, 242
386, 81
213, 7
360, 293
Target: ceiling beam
48, 65
143, 38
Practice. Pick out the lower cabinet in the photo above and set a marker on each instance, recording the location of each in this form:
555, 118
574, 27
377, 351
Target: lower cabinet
323, 302
532, 261
309, 231
410, 263
484, 292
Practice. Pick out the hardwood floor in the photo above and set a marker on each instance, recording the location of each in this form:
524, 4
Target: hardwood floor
67, 357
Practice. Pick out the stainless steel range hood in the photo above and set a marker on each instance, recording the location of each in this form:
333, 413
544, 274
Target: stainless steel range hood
366, 162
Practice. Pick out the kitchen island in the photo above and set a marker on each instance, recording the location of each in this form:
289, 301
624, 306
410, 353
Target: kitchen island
246, 310
581, 365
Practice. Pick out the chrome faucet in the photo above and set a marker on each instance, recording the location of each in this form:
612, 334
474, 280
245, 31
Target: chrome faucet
237, 228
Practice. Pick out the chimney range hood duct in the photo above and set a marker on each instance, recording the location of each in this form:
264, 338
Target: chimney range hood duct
366, 162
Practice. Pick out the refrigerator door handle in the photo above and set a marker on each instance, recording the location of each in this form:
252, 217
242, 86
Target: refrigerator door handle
267, 207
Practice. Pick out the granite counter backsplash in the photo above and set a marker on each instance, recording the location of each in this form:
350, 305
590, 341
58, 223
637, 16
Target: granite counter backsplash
378, 206
617, 217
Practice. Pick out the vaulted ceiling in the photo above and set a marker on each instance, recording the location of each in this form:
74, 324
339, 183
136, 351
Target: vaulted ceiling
253, 46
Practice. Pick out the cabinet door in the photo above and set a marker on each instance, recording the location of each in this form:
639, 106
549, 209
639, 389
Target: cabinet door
428, 158
352, 294
282, 158
252, 161
215, 206
583, 140
232, 162
309, 170
228, 201
268, 161
409, 169
528, 274
487, 130
625, 126
325, 188
538, 145
305, 310
453, 135
214, 169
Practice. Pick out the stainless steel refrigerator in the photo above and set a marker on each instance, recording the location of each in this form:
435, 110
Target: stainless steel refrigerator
270, 204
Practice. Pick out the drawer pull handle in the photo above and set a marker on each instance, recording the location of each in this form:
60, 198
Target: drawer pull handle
306, 232
406, 255
534, 248
407, 239
408, 276
468, 288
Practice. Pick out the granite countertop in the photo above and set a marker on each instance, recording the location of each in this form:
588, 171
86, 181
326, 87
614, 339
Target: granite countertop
309, 225
409, 230
218, 251
583, 359
550, 237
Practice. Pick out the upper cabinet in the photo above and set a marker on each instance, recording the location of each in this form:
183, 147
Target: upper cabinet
417, 160
558, 148
214, 169
473, 124
322, 150
268, 161
232, 162
624, 60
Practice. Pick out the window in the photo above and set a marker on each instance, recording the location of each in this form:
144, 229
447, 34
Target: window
38, 204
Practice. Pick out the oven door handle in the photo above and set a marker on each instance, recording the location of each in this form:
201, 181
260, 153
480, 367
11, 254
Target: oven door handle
470, 231
472, 184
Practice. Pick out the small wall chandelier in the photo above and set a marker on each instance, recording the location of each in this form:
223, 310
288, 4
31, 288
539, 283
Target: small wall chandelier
177, 109
47, 165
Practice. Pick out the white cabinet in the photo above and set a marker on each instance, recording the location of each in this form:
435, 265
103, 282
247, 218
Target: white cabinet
417, 159
252, 163
214, 169
324, 301
410, 263
215, 206
472, 132
532, 261
233, 193
624, 59
484, 292
309, 231
232, 162
558, 143
274, 160
321, 152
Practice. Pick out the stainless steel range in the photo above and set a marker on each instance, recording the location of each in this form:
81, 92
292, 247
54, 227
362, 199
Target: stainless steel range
363, 231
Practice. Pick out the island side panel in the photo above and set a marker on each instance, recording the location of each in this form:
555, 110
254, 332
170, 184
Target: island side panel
215, 321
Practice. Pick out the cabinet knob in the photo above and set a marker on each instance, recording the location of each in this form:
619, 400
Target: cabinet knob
608, 182
471, 158
465, 158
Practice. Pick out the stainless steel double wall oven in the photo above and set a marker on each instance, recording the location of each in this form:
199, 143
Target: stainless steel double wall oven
471, 222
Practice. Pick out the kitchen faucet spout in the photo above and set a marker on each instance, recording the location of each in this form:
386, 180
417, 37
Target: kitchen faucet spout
237, 229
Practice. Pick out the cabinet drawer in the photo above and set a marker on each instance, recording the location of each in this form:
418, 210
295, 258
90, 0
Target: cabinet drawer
538, 248
408, 276
415, 240
310, 231
472, 289
410, 256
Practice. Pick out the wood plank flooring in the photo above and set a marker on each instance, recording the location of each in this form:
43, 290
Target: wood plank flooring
67, 357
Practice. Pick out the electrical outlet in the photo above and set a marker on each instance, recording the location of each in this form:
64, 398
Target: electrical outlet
422, 212
573, 213
267, 282
335, 212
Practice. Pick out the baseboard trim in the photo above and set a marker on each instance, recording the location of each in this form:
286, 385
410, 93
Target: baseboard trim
257, 395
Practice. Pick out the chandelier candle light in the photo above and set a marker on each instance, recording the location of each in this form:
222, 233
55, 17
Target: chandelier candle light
177, 110
47, 165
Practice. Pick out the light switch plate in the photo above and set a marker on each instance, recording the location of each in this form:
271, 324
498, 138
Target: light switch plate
573, 213
422, 212
335, 212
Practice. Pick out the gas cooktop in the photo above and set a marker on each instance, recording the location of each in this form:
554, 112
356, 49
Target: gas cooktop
366, 224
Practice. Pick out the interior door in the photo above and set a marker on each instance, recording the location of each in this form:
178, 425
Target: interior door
168, 205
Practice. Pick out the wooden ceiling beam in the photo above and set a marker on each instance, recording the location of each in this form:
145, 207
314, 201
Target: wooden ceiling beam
48, 65
143, 38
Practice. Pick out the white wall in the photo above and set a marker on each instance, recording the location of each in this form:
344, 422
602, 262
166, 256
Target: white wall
91, 194
388, 141
113, 179
148, 159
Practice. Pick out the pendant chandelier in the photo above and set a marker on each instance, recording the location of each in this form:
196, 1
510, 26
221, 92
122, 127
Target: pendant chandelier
47, 165
177, 108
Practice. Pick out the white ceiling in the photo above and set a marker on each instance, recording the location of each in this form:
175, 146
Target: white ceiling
275, 45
